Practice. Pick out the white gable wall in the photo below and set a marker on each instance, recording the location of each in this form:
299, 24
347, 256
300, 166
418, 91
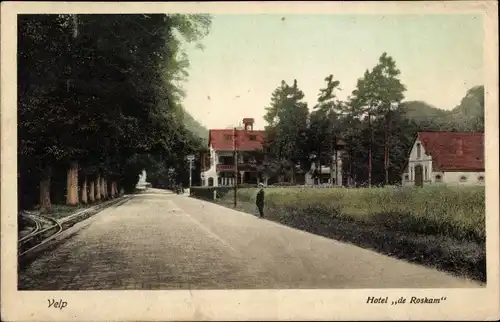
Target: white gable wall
211, 172
429, 174
415, 159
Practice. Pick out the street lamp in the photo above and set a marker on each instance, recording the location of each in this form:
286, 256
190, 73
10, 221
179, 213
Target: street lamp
190, 158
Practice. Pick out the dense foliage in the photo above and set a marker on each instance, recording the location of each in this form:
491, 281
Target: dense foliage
374, 127
100, 100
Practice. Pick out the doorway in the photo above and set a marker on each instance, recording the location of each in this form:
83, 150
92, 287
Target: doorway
419, 177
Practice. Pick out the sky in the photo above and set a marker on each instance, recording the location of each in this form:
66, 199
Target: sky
246, 57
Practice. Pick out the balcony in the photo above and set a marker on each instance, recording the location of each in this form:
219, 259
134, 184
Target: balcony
241, 167
224, 167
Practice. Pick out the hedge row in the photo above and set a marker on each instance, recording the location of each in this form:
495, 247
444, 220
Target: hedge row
207, 193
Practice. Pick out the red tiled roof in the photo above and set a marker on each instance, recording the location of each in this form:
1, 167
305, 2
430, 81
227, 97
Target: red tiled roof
223, 139
459, 151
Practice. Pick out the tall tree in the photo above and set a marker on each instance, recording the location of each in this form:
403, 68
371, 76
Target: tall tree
327, 120
287, 128
378, 94
42, 43
113, 83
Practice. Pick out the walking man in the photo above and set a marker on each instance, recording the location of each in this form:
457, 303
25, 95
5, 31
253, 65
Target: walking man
259, 200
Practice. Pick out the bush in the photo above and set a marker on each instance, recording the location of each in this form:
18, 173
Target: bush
207, 193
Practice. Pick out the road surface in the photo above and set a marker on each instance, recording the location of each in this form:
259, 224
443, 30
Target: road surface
159, 240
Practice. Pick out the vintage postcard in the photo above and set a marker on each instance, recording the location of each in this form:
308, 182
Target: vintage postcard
249, 161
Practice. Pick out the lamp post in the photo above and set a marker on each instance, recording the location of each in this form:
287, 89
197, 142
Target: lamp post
190, 158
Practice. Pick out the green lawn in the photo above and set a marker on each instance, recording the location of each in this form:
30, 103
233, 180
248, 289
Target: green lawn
457, 212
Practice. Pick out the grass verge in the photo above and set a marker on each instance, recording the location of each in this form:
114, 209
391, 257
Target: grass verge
441, 227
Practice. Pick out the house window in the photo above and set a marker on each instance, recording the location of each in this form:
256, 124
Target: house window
407, 177
481, 178
228, 137
418, 151
463, 178
438, 178
252, 137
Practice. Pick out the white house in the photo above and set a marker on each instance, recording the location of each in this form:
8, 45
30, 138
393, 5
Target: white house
446, 158
325, 176
218, 167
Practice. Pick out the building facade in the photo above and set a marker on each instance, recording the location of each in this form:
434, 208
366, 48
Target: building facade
218, 166
331, 170
455, 158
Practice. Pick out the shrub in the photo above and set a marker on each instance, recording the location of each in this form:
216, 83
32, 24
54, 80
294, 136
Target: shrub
208, 192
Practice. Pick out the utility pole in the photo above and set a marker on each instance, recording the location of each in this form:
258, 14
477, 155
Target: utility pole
331, 148
370, 149
235, 156
386, 148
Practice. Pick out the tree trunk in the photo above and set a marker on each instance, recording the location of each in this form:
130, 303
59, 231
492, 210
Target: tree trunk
386, 150
330, 157
84, 190
72, 185
336, 161
92, 191
112, 190
350, 165
106, 189
45, 204
370, 151
318, 169
103, 188
98, 188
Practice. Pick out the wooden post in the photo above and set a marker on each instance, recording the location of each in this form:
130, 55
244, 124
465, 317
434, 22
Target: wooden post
235, 155
370, 150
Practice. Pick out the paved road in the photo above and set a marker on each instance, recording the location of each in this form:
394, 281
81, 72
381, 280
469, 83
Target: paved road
160, 240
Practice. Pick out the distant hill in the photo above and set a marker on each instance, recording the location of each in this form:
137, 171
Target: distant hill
195, 127
467, 116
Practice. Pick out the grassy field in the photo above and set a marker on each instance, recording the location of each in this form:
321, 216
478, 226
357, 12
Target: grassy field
440, 227
457, 212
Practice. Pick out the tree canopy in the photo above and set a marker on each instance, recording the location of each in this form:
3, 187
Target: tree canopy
102, 95
375, 123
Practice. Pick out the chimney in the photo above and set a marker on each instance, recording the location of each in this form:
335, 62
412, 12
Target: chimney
248, 124
460, 148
